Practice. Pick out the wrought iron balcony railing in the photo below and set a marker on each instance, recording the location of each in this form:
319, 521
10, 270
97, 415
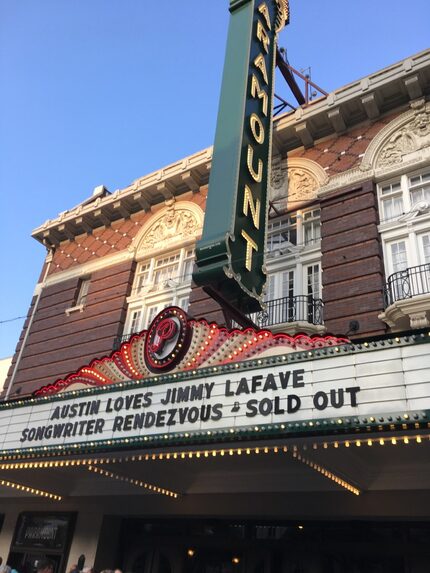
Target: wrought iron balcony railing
407, 284
118, 340
302, 308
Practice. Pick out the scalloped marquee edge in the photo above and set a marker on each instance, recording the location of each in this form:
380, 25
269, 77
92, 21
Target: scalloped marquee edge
210, 345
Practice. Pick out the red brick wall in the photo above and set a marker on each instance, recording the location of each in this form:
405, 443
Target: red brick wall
203, 306
110, 240
352, 264
58, 344
339, 153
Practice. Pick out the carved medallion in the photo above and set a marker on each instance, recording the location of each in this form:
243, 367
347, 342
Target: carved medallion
174, 225
411, 137
167, 340
302, 186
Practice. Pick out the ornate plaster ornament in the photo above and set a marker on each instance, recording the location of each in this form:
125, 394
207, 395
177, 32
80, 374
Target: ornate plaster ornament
178, 222
411, 133
302, 185
294, 181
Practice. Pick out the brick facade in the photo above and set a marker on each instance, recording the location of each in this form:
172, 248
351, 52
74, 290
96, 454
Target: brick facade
353, 271
352, 275
59, 344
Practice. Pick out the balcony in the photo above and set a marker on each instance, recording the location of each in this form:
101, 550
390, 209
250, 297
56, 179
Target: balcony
118, 340
290, 314
407, 298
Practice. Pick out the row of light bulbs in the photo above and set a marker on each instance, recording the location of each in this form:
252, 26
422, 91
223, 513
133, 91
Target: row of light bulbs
31, 490
136, 482
188, 454
327, 473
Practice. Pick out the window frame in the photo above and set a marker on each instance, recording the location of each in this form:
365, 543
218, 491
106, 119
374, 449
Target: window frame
157, 292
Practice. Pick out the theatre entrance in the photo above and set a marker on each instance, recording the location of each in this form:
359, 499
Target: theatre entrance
217, 546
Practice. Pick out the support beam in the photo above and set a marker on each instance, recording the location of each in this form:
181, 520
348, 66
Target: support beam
123, 207
167, 189
336, 118
191, 181
304, 134
413, 86
371, 106
85, 223
289, 78
230, 311
68, 230
52, 236
140, 198
103, 216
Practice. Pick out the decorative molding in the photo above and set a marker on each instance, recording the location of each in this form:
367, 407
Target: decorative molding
295, 180
87, 268
401, 144
177, 223
409, 313
278, 181
302, 186
405, 134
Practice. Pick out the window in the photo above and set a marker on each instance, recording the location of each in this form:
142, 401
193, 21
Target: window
166, 269
160, 282
135, 321
281, 232
81, 295
403, 195
398, 256
293, 251
311, 226
391, 201
425, 240
83, 288
188, 264
419, 188
142, 277
183, 302
280, 285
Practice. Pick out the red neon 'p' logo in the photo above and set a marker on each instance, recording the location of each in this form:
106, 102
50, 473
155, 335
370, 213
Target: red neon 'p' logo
165, 330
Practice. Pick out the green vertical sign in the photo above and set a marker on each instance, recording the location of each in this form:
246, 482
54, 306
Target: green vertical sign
230, 254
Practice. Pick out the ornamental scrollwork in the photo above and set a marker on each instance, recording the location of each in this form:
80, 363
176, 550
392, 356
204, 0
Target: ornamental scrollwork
412, 136
174, 225
302, 186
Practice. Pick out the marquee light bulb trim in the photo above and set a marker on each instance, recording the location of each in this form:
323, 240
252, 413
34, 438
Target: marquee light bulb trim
211, 348
397, 421
31, 490
133, 481
326, 473
199, 371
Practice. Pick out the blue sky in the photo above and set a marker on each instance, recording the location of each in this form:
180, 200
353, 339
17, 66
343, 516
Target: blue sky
104, 91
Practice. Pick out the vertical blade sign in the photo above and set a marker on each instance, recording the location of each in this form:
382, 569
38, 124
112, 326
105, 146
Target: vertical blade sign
230, 254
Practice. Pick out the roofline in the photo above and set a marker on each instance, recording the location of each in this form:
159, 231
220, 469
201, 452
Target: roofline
365, 99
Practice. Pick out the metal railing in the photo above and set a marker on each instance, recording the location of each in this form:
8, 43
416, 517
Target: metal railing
118, 340
407, 284
300, 308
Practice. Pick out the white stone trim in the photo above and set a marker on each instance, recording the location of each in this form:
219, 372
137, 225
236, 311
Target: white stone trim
87, 268
179, 209
369, 168
315, 170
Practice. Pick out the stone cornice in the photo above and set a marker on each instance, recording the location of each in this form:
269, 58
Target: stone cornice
189, 174
378, 94
363, 100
